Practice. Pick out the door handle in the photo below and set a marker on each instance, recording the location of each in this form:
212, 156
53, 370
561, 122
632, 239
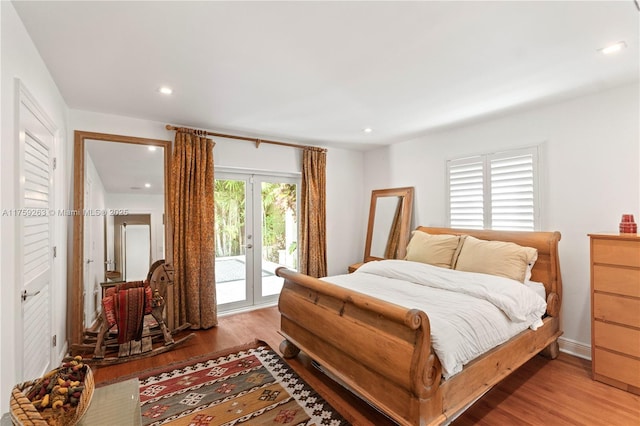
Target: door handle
89, 261
24, 294
249, 246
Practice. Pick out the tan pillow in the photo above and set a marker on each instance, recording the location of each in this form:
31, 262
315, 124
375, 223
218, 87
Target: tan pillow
495, 258
437, 250
457, 252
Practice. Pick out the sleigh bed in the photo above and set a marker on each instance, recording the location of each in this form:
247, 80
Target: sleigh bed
384, 351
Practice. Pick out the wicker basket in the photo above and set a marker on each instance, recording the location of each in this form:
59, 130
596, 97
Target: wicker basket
23, 413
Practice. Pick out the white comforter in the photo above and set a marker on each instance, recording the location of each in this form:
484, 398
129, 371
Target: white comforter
469, 313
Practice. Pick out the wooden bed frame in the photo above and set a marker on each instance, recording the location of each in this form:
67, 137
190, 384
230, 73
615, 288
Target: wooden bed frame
383, 353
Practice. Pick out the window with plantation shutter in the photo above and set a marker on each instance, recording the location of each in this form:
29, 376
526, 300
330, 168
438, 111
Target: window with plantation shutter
494, 191
466, 193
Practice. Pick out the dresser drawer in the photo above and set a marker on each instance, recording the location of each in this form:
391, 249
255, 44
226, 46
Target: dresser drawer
616, 252
618, 367
617, 338
613, 279
622, 310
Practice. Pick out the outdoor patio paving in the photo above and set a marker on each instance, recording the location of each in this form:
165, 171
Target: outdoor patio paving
230, 279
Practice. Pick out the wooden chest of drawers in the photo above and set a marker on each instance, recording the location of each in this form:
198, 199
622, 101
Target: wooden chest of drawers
615, 310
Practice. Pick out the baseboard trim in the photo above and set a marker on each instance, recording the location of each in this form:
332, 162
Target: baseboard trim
574, 348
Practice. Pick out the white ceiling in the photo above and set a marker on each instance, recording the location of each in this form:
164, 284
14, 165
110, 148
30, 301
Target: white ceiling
320, 72
125, 168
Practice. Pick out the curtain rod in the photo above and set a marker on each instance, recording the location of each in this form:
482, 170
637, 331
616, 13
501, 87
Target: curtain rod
255, 140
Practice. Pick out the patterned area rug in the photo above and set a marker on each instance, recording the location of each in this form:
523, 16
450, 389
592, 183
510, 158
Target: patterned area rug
251, 386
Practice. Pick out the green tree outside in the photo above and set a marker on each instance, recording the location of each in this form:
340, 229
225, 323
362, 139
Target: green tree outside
277, 200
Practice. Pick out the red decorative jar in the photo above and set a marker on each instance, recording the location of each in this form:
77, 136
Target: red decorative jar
627, 225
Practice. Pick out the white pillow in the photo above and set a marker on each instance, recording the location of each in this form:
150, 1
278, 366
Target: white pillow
527, 274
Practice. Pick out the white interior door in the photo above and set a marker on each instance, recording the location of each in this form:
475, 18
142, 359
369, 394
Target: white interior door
137, 252
35, 250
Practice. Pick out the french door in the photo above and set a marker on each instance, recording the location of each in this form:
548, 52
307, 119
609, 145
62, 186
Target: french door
256, 232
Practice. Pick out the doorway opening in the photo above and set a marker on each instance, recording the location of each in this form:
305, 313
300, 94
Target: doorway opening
256, 232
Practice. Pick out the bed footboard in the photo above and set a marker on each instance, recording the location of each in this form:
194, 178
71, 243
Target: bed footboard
383, 350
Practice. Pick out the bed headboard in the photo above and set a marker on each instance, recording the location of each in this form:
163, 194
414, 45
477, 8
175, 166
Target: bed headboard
546, 269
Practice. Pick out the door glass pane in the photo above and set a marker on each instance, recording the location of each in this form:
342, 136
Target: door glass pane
279, 233
230, 202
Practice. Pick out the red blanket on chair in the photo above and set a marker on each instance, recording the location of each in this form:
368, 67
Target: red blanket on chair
129, 308
126, 305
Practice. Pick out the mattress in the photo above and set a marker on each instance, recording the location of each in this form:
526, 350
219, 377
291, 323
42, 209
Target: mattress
469, 313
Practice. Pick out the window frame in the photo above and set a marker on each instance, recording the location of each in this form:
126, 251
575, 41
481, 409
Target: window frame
486, 160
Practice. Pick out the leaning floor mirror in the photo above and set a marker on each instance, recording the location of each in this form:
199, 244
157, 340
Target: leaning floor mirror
389, 222
120, 225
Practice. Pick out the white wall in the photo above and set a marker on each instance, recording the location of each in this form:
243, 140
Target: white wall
345, 199
3, 391
590, 172
152, 204
94, 251
345, 230
3, 361
20, 59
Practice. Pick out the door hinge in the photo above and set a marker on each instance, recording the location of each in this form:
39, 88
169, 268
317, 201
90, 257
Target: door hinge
55, 251
55, 163
54, 340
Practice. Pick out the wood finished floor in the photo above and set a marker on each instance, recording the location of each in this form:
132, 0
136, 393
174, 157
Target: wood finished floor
541, 392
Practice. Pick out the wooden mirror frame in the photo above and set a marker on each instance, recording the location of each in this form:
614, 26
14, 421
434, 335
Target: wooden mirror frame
75, 298
406, 194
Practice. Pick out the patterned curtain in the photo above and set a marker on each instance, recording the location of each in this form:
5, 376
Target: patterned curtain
192, 214
393, 241
313, 220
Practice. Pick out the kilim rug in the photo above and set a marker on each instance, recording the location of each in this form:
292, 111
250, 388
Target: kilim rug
250, 386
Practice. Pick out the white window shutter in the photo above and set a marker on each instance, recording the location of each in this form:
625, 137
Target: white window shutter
466, 193
494, 191
512, 191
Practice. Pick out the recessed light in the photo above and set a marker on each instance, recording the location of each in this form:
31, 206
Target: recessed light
165, 90
616, 47
147, 185
367, 130
152, 148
